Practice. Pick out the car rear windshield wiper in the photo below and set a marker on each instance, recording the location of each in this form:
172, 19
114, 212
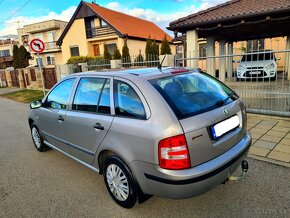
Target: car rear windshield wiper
222, 102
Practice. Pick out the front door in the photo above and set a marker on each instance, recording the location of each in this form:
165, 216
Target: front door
96, 49
90, 118
52, 114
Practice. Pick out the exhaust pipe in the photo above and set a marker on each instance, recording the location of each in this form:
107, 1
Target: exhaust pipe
245, 167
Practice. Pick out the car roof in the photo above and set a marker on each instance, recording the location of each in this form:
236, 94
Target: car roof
146, 73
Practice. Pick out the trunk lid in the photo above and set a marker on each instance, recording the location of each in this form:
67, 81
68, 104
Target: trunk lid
201, 144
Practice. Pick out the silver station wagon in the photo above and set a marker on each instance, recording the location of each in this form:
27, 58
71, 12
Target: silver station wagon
170, 132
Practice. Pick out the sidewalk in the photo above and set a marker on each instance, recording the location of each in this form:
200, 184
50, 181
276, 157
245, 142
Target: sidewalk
271, 138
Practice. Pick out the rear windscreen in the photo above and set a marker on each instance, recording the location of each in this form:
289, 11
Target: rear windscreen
192, 93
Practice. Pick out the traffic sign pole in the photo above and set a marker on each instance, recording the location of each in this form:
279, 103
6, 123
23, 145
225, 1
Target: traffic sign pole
37, 46
41, 74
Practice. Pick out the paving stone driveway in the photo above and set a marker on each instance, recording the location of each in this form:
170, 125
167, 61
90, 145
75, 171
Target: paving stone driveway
271, 137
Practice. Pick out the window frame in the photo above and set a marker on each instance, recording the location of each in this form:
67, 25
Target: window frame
68, 105
72, 47
140, 95
175, 109
92, 77
78, 79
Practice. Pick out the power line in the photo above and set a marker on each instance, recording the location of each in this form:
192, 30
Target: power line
16, 11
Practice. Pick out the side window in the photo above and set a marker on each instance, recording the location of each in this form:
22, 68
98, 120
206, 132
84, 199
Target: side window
59, 96
104, 105
127, 102
88, 94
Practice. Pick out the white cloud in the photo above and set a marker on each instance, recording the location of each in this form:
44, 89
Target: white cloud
11, 25
163, 19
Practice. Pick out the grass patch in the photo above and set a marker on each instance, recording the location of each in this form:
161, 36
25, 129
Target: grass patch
25, 95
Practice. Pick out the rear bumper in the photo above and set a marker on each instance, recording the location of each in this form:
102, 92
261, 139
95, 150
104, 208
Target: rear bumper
191, 182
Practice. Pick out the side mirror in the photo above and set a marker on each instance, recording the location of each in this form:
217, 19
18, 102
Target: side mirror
236, 61
278, 59
36, 104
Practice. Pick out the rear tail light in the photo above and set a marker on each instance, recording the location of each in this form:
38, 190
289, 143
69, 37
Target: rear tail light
173, 153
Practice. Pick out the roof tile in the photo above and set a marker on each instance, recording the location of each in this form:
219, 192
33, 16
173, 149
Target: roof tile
126, 24
232, 9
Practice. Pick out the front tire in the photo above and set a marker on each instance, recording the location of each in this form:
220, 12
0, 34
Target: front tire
37, 139
120, 182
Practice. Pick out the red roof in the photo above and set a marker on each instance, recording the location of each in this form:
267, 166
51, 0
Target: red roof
231, 10
126, 24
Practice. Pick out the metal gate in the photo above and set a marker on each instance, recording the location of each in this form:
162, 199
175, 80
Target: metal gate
49, 77
259, 76
14, 78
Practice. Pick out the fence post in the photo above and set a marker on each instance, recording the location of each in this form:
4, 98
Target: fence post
8, 78
222, 60
192, 47
287, 58
230, 60
21, 79
210, 52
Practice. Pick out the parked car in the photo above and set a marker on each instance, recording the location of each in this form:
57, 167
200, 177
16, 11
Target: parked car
173, 132
258, 65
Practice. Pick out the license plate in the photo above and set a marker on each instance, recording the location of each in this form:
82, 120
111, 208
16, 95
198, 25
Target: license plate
225, 126
255, 72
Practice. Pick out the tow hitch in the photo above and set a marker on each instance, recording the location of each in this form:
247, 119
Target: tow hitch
245, 167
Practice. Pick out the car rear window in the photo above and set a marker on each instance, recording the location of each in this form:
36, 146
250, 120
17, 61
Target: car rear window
191, 93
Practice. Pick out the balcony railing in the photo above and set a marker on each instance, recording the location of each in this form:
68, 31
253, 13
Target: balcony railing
96, 32
51, 45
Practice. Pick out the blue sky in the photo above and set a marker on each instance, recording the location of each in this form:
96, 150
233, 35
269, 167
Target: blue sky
160, 12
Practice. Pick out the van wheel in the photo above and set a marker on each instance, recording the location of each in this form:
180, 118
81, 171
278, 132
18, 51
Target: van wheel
37, 139
120, 182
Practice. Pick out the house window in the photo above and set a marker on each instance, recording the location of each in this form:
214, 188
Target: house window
50, 60
4, 53
50, 39
74, 51
90, 27
39, 62
202, 50
103, 23
256, 45
38, 36
111, 48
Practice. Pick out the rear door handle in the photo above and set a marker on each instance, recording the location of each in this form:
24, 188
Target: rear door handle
60, 118
98, 126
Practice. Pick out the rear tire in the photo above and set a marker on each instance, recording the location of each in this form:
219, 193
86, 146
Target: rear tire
37, 139
120, 182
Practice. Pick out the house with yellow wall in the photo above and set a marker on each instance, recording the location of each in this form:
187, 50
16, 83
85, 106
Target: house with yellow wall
47, 31
93, 26
6, 53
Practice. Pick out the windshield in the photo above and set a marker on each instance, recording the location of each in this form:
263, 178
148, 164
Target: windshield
258, 57
192, 93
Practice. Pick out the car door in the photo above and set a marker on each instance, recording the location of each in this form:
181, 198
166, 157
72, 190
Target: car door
52, 114
90, 118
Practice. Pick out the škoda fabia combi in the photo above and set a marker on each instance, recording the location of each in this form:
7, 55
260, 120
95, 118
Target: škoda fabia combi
171, 132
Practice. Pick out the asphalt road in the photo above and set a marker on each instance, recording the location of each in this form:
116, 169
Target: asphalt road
34, 184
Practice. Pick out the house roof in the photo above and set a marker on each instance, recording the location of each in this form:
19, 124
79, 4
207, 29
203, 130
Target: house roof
125, 25
231, 10
129, 25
